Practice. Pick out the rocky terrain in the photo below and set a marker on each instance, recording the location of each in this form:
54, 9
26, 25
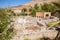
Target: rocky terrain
32, 28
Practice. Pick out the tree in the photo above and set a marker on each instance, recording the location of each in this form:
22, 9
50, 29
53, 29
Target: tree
33, 12
56, 11
36, 6
57, 5
47, 7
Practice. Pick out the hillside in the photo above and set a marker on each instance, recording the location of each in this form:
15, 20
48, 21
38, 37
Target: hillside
33, 2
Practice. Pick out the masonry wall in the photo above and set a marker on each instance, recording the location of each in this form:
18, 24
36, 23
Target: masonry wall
43, 14
40, 14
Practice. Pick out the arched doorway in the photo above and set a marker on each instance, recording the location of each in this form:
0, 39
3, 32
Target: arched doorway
24, 10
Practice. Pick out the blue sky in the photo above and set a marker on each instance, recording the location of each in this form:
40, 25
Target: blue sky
8, 3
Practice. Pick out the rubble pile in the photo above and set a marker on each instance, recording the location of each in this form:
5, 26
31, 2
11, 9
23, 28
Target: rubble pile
27, 27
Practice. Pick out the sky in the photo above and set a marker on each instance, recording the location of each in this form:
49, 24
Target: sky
9, 3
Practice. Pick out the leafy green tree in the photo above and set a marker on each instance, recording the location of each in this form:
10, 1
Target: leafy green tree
57, 5
47, 7
36, 6
33, 12
56, 11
